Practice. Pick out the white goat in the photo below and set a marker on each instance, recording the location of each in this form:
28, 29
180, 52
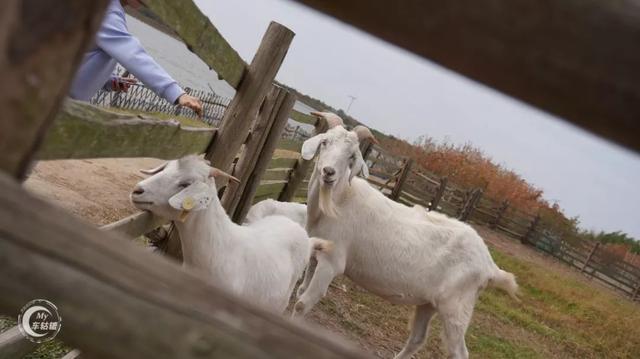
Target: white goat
260, 263
438, 265
297, 212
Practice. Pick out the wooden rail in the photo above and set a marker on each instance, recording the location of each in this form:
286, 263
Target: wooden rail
201, 37
81, 130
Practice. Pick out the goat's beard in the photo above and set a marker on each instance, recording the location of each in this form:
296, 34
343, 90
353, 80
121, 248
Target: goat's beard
325, 201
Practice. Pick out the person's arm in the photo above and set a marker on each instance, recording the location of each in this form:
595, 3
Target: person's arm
115, 40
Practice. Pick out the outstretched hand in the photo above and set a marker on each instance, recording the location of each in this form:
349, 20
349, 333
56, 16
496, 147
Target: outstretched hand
191, 102
122, 84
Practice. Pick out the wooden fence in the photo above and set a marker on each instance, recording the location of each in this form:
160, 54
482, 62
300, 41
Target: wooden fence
401, 180
162, 310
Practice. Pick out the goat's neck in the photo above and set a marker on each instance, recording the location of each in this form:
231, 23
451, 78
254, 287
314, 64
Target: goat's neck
205, 234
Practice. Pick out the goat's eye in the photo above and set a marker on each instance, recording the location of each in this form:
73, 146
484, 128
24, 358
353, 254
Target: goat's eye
353, 157
184, 184
323, 143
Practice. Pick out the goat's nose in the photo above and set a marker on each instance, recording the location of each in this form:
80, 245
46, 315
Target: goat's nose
328, 171
137, 190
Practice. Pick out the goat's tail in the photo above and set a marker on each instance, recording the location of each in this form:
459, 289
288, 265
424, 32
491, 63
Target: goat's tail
321, 245
505, 281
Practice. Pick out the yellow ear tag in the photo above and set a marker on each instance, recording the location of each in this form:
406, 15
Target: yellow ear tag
188, 204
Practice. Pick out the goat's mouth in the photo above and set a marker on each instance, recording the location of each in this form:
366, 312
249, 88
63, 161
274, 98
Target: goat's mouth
141, 203
328, 181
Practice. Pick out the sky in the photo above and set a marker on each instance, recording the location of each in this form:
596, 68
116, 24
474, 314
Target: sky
407, 96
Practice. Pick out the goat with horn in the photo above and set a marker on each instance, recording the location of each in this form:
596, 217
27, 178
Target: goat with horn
439, 265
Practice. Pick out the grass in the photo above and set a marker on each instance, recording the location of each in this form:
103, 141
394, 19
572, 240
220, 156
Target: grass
561, 315
50, 350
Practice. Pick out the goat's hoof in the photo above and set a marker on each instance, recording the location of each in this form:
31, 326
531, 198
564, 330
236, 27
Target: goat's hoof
298, 309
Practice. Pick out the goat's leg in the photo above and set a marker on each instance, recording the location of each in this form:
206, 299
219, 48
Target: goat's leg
455, 320
328, 267
308, 274
419, 330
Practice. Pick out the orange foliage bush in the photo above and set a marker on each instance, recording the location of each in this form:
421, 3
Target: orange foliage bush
468, 167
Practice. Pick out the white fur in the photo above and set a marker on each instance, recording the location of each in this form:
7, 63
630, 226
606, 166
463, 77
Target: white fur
260, 262
405, 255
297, 212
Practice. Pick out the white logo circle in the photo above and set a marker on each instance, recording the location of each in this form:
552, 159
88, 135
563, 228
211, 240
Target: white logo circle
39, 321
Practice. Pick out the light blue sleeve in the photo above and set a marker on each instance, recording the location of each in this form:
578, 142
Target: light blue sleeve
114, 39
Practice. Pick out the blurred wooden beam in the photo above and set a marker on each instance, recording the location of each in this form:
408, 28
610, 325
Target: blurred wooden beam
578, 59
40, 48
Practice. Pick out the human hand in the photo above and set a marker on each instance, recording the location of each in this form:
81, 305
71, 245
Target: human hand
191, 102
122, 84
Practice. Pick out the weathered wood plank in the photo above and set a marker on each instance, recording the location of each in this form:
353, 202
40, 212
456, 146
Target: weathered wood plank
244, 167
263, 161
567, 57
85, 272
85, 131
41, 46
200, 36
276, 174
303, 118
14, 345
301, 171
289, 145
402, 177
269, 188
282, 163
243, 109
135, 225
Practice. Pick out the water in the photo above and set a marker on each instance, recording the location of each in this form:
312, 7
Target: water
183, 65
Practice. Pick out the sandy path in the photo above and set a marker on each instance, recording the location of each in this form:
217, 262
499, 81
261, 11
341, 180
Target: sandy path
96, 190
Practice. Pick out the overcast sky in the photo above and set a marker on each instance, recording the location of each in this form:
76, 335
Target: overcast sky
407, 96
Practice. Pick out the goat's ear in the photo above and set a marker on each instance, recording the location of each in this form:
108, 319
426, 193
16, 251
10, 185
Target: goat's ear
310, 146
155, 170
359, 166
195, 197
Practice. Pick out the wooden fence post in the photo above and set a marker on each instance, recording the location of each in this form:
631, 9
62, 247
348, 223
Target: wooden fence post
252, 148
532, 227
255, 84
501, 211
636, 291
439, 193
397, 188
300, 169
14, 345
281, 116
591, 253
470, 204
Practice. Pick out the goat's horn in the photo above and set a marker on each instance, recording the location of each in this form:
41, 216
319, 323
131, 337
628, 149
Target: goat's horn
155, 170
332, 119
220, 173
364, 133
